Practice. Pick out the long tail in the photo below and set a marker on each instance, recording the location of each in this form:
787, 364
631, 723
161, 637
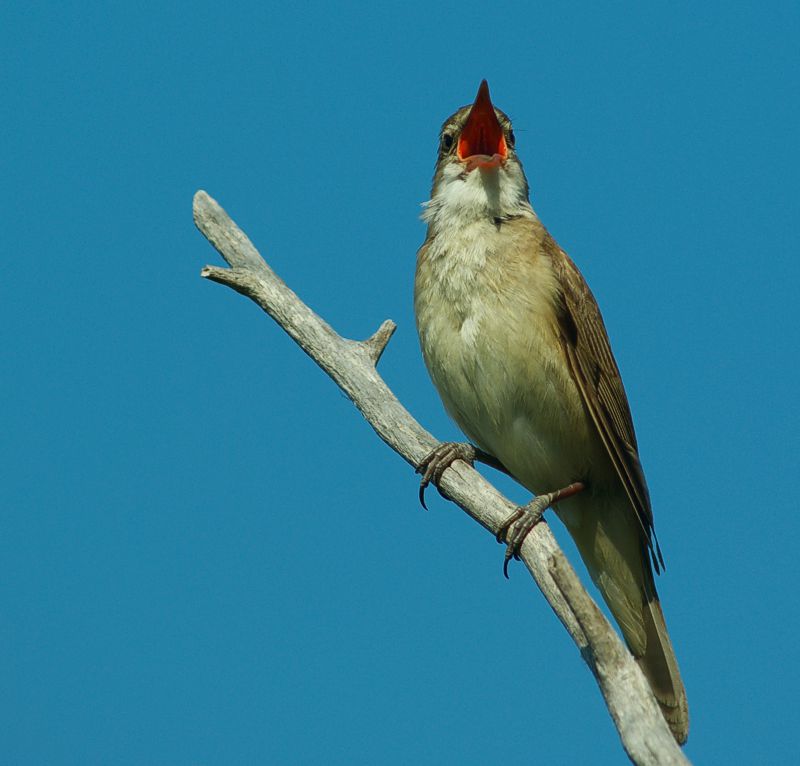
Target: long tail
610, 545
661, 669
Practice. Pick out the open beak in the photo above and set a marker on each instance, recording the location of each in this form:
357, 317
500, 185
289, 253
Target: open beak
482, 143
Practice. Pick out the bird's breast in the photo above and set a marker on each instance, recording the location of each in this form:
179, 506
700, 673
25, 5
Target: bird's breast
485, 301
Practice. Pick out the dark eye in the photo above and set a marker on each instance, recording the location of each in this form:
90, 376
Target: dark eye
511, 138
447, 141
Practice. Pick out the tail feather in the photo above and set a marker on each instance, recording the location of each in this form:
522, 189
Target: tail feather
617, 562
661, 669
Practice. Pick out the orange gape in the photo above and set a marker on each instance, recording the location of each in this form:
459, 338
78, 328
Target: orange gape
482, 139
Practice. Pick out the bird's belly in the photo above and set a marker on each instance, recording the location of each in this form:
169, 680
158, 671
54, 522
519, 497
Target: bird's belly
503, 377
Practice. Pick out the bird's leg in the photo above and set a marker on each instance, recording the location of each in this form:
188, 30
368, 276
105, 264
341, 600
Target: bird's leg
517, 526
441, 457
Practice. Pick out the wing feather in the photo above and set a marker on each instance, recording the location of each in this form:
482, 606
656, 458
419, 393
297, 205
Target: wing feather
595, 370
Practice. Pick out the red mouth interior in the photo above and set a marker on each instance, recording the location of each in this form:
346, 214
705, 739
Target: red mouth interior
482, 134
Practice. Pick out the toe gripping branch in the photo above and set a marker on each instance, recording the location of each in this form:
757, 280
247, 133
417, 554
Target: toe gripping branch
443, 455
439, 459
518, 525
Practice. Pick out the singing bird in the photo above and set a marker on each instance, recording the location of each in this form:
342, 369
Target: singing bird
516, 347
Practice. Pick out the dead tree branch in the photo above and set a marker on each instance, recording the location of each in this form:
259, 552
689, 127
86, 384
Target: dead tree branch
643, 731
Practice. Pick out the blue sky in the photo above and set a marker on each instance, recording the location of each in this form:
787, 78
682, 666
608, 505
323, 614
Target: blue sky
206, 556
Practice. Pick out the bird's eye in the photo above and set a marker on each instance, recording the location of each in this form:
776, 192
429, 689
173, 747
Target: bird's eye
447, 141
511, 138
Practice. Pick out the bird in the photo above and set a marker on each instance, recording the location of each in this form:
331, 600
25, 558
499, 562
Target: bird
517, 349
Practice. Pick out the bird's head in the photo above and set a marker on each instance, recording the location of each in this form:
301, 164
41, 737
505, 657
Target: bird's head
478, 173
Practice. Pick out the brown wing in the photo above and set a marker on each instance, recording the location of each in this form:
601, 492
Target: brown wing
594, 368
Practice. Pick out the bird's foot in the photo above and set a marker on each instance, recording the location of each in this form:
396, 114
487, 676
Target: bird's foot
440, 458
517, 527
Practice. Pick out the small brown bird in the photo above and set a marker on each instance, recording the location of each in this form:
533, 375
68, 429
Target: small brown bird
516, 346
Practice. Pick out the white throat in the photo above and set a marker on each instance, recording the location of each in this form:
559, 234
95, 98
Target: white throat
461, 198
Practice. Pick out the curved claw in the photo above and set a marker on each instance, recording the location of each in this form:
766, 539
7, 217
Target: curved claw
518, 526
506, 559
438, 460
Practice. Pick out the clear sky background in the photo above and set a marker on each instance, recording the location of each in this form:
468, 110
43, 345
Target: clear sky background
206, 556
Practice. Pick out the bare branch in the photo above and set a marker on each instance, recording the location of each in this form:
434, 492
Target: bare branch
643, 731
376, 343
633, 708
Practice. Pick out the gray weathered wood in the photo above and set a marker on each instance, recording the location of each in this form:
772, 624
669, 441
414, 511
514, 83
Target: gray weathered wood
643, 731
